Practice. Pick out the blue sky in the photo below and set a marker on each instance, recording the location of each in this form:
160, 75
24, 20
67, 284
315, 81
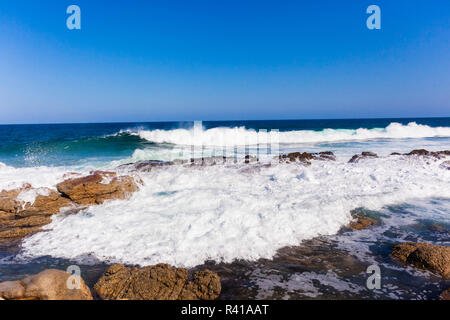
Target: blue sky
222, 60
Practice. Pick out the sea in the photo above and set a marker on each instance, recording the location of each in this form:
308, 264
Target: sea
270, 231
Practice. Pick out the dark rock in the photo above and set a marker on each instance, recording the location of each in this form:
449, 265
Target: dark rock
426, 153
145, 166
357, 157
306, 157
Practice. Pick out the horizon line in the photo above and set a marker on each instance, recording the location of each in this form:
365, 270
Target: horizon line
228, 120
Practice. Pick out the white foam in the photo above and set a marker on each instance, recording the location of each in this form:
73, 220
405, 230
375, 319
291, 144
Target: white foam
301, 283
29, 196
242, 136
38, 177
186, 215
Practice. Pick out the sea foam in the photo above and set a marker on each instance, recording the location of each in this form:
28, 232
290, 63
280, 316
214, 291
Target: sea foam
186, 215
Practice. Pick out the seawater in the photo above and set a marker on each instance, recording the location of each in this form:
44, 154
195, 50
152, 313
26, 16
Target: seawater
243, 218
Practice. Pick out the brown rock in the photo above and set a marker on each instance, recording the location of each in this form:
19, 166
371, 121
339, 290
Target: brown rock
50, 284
97, 187
445, 295
158, 282
362, 221
18, 232
357, 157
19, 219
27, 222
205, 286
45, 205
12, 290
306, 157
6, 216
8, 203
424, 256
11, 207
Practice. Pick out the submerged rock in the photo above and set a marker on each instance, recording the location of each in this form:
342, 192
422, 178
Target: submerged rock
50, 284
424, 256
363, 155
145, 166
158, 282
361, 221
445, 295
445, 165
97, 187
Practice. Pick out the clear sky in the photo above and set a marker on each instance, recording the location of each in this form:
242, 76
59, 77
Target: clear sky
222, 60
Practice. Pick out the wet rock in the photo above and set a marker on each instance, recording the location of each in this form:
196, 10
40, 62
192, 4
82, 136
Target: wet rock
27, 222
12, 290
424, 256
434, 154
445, 295
18, 232
158, 282
326, 155
8, 202
249, 159
364, 155
20, 218
445, 165
306, 157
97, 187
46, 202
145, 166
361, 221
50, 203
50, 284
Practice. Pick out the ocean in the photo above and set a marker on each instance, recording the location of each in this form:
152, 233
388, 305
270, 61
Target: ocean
270, 231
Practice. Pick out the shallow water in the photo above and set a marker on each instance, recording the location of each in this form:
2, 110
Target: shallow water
326, 267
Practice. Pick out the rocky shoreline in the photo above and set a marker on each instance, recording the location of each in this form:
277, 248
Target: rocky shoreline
25, 210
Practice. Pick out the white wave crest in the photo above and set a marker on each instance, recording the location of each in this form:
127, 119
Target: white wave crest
241, 136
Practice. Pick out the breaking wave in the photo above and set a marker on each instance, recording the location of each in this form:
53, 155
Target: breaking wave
225, 136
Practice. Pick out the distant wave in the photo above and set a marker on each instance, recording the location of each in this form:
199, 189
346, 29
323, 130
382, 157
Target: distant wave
225, 136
